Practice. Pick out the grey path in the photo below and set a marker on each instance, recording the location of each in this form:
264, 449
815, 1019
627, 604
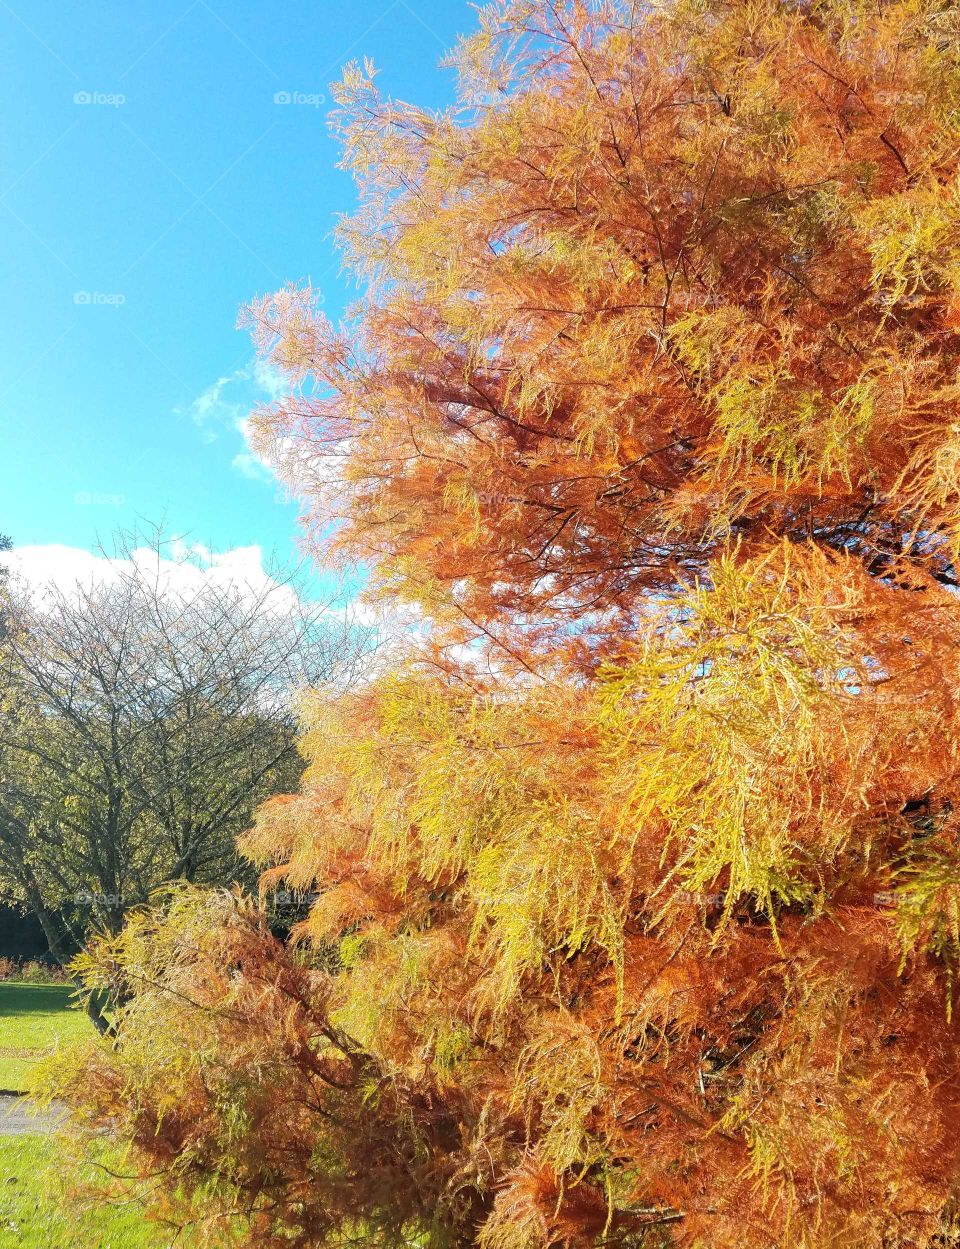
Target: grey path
19, 1118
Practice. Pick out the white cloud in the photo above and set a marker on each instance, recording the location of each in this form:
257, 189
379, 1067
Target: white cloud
225, 406
212, 409
269, 380
249, 465
188, 568
250, 462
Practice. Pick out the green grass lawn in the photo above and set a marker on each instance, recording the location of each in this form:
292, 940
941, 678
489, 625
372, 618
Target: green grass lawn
36, 1213
47, 1191
33, 1018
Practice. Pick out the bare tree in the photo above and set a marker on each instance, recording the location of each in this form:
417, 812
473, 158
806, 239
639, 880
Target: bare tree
142, 718
6, 544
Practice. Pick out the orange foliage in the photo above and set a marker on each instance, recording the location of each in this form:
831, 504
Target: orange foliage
635, 894
668, 278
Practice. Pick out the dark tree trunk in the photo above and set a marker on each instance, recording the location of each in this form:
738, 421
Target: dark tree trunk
53, 930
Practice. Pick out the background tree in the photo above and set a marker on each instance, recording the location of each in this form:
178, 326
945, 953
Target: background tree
146, 715
6, 544
638, 891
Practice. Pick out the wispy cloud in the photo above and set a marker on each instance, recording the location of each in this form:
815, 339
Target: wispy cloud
213, 409
252, 467
270, 381
223, 409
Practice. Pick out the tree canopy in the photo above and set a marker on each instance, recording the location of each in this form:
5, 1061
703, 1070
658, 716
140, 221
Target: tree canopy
142, 718
667, 279
635, 890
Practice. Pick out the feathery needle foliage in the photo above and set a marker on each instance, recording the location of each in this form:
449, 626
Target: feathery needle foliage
632, 893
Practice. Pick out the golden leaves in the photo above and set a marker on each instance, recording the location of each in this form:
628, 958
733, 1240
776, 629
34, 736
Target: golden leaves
667, 282
650, 407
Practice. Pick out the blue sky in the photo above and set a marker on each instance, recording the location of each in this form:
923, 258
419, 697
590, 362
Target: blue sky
149, 186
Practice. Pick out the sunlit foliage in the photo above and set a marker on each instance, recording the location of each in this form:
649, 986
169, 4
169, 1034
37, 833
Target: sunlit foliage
634, 893
671, 276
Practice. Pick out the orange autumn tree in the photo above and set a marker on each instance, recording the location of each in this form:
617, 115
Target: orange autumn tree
634, 890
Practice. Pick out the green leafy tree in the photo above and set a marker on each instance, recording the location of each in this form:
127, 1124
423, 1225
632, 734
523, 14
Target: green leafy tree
145, 716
